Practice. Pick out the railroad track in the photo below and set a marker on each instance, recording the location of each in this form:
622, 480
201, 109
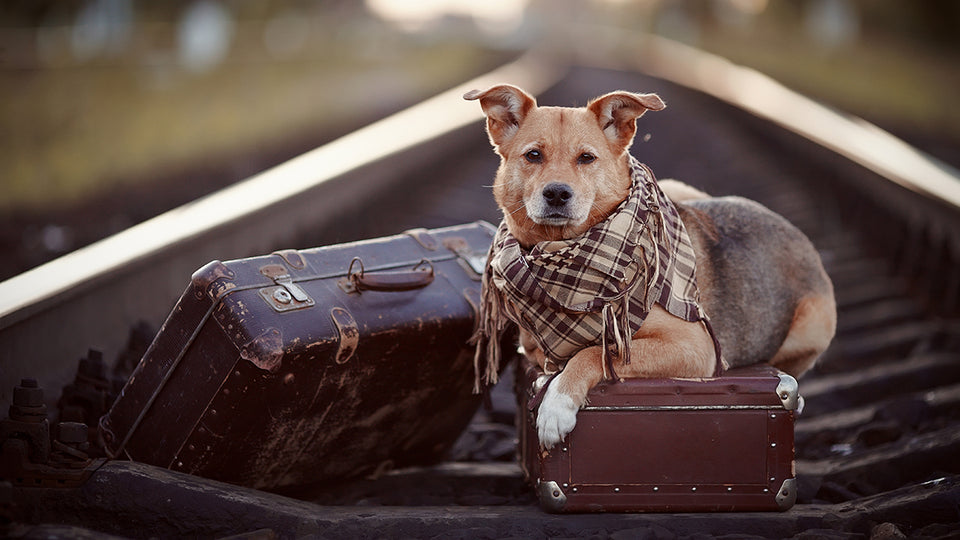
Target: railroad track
877, 446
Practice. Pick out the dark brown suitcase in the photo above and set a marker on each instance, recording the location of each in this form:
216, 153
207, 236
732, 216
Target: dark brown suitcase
669, 445
306, 366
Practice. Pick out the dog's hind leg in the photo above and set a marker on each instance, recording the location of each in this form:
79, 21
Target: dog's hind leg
814, 324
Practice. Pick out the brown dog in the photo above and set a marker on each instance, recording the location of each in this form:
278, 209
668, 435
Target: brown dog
563, 171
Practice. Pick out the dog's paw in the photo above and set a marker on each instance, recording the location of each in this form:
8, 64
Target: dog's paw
556, 417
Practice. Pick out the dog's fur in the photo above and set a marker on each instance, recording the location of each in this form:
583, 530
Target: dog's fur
761, 281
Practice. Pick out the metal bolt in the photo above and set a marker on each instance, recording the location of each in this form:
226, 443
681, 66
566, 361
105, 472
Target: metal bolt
92, 366
27, 404
28, 394
72, 433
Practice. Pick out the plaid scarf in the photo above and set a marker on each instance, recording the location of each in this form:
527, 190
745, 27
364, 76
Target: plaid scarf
594, 289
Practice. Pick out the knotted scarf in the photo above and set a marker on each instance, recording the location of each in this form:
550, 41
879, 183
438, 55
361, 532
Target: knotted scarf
594, 289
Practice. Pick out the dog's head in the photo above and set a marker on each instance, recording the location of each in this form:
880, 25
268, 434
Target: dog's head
562, 170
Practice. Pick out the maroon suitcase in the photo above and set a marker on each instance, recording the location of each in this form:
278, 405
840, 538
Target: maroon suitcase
669, 445
305, 366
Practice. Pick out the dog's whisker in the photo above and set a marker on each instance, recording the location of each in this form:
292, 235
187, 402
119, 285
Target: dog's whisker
519, 208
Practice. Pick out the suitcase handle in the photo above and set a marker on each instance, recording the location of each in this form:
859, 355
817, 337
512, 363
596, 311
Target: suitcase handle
417, 277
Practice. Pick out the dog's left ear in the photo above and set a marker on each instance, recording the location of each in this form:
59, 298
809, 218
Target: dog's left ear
505, 106
617, 113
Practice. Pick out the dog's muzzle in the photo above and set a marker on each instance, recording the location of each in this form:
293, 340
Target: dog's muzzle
556, 205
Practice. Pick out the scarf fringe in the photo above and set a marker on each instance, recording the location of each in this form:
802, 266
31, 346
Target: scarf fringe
490, 328
613, 342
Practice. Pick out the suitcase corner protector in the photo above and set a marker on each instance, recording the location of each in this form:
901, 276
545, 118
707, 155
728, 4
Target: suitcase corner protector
788, 390
787, 495
552, 498
212, 279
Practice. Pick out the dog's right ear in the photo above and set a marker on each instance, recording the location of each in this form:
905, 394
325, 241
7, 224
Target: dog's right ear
505, 107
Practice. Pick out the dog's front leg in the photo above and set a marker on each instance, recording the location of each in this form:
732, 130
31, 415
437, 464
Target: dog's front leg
665, 346
557, 414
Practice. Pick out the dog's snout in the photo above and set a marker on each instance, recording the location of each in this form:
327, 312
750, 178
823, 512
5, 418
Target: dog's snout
557, 194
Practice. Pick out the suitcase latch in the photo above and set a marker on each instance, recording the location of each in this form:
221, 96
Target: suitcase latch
292, 288
471, 261
286, 295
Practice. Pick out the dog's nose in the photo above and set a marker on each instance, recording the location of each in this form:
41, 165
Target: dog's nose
557, 194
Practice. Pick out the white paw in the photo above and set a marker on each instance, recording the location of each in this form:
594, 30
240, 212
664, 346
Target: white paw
556, 417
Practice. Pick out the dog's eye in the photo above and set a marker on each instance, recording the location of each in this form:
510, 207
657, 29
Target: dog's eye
534, 156
586, 158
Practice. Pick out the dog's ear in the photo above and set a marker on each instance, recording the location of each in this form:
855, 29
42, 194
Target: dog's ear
617, 113
505, 107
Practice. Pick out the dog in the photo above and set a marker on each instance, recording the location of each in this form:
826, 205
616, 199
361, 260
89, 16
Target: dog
762, 288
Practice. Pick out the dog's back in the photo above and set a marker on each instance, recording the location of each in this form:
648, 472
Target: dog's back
752, 263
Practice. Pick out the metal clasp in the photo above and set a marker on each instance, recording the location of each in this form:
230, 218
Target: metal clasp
286, 295
287, 283
473, 262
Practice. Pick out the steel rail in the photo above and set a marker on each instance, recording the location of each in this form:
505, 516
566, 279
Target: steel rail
423, 122
51, 314
746, 88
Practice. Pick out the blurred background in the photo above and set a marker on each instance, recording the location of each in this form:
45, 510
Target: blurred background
113, 111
